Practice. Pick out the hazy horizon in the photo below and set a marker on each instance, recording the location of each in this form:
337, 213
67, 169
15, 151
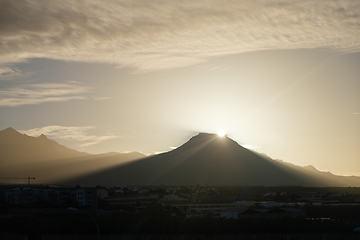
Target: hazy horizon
279, 77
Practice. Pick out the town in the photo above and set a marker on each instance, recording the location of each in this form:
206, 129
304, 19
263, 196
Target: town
332, 208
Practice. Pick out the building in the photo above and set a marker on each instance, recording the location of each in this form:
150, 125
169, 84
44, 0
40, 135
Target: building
83, 196
102, 193
244, 204
280, 204
232, 212
242, 213
138, 202
200, 208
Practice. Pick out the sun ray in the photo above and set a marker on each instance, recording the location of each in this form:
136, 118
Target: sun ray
221, 133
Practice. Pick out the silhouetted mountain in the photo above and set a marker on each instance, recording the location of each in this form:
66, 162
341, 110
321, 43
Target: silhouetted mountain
20, 148
208, 159
48, 161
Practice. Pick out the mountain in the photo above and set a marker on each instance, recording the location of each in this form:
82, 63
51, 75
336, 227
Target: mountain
19, 148
205, 159
49, 162
208, 159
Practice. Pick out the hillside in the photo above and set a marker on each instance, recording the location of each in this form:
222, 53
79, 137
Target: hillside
22, 155
208, 159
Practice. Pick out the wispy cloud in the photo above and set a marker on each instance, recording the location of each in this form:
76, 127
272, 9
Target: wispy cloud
97, 139
151, 35
79, 134
40, 93
159, 152
356, 113
249, 146
102, 98
217, 68
8, 73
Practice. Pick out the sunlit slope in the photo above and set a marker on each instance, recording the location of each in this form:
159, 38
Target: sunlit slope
48, 161
208, 159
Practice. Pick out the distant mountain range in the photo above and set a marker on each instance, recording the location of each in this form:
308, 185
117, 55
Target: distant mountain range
206, 159
49, 162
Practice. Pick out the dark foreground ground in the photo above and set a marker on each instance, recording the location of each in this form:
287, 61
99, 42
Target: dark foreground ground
287, 236
168, 228
325, 221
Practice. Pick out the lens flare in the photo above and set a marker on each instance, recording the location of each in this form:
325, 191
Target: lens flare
221, 133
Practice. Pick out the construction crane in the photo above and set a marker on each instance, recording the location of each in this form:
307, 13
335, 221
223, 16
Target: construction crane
28, 178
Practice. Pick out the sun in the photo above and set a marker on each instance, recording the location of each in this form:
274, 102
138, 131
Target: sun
221, 133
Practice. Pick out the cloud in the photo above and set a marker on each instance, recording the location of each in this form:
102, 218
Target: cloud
356, 113
98, 139
158, 152
249, 146
40, 93
102, 98
7, 73
150, 35
217, 68
69, 133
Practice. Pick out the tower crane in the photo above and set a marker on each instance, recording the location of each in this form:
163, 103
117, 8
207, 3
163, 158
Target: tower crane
28, 178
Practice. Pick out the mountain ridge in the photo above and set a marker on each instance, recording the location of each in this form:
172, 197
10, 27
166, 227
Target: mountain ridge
50, 161
208, 159
32, 148
205, 159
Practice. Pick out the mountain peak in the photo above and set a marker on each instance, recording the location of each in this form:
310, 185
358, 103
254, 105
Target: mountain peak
204, 134
310, 167
9, 130
209, 135
42, 136
9, 133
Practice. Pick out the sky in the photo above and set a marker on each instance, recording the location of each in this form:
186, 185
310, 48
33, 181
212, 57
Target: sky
279, 77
